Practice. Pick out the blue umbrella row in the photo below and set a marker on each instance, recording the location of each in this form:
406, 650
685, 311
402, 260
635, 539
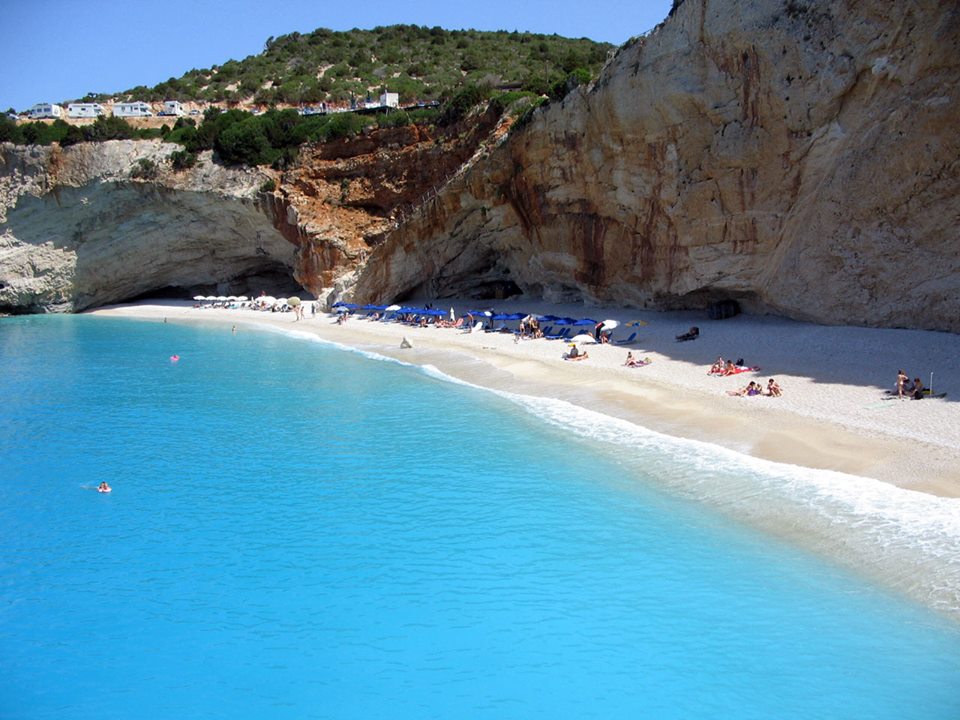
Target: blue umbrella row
555, 319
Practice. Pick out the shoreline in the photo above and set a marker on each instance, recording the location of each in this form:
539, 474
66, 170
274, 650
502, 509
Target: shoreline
824, 420
864, 482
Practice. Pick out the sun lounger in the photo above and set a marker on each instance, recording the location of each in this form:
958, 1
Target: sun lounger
627, 341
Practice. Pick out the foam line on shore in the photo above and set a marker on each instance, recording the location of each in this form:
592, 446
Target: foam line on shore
901, 538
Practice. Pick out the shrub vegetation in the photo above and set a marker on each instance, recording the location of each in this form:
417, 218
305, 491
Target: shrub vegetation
463, 68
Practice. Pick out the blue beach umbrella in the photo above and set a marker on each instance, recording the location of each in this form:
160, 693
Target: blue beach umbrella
585, 321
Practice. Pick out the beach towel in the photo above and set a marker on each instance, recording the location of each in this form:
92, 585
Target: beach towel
739, 369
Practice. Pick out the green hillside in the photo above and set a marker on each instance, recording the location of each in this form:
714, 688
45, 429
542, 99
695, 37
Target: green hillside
419, 63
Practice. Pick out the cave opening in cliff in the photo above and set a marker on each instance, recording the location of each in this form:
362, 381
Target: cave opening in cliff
468, 289
276, 283
725, 302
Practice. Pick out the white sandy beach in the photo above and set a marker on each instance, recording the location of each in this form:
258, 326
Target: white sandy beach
834, 413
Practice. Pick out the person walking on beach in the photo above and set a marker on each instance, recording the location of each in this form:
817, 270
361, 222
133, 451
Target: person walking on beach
902, 378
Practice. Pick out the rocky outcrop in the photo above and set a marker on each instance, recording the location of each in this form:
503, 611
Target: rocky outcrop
802, 158
94, 224
77, 231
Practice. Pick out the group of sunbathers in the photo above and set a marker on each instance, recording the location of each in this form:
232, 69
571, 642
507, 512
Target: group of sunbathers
636, 362
575, 353
728, 367
755, 388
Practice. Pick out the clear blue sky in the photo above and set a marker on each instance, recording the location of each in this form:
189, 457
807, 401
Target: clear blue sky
55, 50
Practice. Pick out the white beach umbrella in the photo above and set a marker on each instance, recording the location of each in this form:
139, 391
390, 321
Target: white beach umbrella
582, 338
610, 324
392, 308
199, 298
267, 299
242, 298
281, 301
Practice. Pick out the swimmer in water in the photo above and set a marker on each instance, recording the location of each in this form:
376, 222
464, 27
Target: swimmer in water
103, 487
174, 358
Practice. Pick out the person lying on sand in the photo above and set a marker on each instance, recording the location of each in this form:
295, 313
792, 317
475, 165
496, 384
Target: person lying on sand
575, 354
635, 362
692, 334
750, 390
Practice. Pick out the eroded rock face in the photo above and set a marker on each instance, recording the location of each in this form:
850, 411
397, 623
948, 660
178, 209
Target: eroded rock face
76, 231
801, 157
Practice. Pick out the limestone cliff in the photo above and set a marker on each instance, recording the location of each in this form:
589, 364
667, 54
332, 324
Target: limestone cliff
77, 231
87, 225
800, 157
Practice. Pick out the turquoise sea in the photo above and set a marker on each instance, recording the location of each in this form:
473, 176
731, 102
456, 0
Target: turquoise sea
300, 531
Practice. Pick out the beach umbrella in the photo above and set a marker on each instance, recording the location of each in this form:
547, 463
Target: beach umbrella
453, 315
293, 301
221, 298
199, 298
584, 321
242, 298
341, 309
637, 323
392, 308
266, 299
281, 301
582, 338
610, 324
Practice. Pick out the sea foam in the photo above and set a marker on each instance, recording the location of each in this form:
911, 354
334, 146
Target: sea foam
903, 539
